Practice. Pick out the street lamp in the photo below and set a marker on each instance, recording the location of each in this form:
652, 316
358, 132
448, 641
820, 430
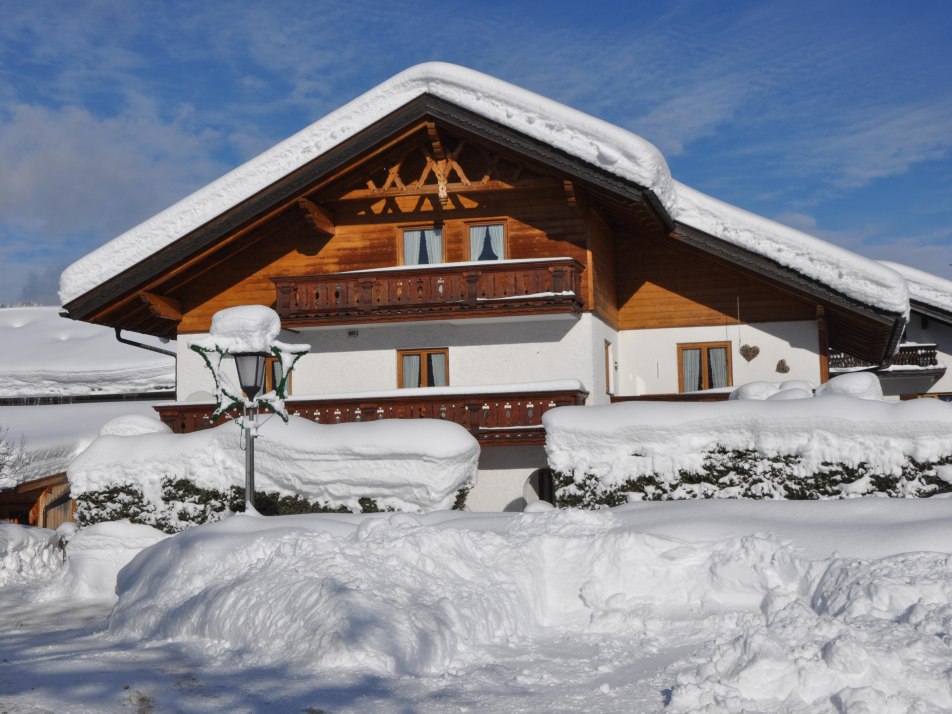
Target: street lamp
250, 366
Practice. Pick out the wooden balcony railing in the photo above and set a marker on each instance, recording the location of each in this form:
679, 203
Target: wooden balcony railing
910, 355
493, 418
448, 290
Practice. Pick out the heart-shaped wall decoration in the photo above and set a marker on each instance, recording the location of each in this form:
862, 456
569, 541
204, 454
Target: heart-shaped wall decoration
748, 352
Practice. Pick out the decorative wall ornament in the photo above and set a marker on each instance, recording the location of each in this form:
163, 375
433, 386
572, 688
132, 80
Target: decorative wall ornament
748, 352
783, 367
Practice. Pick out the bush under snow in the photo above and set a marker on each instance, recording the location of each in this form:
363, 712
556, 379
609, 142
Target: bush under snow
754, 446
176, 480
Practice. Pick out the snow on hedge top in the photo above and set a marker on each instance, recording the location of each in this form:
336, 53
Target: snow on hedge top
406, 464
860, 278
925, 287
45, 355
590, 139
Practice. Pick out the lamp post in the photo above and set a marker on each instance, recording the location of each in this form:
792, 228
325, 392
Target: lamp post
250, 366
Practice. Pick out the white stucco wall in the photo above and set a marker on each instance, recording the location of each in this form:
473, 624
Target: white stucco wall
503, 472
648, 359
480, 353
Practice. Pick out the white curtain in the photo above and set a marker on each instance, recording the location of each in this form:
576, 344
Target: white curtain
411, 371
437, 365
479, 236
434, 245
717, 365
411, 247
691, 370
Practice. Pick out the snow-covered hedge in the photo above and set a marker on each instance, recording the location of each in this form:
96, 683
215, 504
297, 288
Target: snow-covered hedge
172, 481
829, 446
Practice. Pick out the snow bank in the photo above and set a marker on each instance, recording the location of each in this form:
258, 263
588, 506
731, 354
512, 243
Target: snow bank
925, 287
94, 557
28, 555
411, 464
48, 355
633, 439
592, 140
779, 619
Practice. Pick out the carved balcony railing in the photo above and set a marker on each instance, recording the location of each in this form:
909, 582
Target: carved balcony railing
909, 355
443, 291
493, 418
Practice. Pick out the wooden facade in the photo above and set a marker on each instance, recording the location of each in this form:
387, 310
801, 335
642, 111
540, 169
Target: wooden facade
43, 502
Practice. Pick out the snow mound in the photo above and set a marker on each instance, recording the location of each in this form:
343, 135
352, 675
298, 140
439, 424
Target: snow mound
633, 439
28, 555
401, 595
244, 328
408, 464
592, 140
48, 355
133, 425
861, 385
94, 556
798, 388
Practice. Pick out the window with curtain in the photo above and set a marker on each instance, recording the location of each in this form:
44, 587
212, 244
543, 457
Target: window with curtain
487, 242
422, 246
705, 365
273, 374
422, 368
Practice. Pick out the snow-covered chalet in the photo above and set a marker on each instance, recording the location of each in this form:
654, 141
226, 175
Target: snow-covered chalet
458, 248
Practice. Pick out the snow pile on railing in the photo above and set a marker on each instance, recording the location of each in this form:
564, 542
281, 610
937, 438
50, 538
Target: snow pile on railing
664, 441
776, 616
406, 464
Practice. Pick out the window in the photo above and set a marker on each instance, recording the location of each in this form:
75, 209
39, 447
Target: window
272, 375
704, 366
422, 246
422, 368
487, 242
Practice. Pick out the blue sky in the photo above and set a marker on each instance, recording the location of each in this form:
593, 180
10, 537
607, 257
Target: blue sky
833, 117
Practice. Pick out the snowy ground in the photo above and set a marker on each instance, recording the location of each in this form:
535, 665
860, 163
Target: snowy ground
830, 606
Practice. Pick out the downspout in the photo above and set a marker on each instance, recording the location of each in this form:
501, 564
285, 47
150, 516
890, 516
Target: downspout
144, 346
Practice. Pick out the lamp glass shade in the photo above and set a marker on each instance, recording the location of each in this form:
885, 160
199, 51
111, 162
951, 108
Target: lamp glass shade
276, 374
250, 366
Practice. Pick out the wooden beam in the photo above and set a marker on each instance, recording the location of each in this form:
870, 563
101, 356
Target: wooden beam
434, 134
162, 306
319, 217
823, 344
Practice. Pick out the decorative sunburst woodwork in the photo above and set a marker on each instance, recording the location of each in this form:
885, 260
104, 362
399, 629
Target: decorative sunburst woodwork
438, 170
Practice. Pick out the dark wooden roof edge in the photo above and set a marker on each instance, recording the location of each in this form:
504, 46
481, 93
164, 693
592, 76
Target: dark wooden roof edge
132, 279
936, 313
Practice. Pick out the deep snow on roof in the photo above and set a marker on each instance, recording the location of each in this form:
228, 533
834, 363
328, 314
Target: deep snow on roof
592, 140
925, 287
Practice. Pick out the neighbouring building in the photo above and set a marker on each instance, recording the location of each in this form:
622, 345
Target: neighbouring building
458, 248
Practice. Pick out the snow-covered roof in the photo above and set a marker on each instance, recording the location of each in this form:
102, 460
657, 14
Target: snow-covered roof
587, 138
47, 355
925, 287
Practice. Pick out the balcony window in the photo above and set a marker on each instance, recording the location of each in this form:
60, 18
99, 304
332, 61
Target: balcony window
422, 246
704, 366
486, 242
422, 368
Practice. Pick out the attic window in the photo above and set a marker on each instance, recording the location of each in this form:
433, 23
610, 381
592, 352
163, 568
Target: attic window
487, 242
422, 246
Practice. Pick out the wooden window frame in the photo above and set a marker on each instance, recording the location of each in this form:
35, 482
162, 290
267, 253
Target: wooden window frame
504, 222
704, 347
420, 227
269, 384
424, 367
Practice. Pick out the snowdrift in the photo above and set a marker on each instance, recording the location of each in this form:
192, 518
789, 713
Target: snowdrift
412, 465
779, 620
